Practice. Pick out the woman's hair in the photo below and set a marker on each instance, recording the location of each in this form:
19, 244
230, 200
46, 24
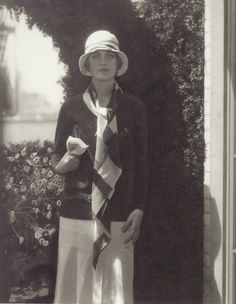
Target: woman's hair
119, 63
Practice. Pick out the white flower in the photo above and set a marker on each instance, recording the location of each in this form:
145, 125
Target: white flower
23, 151
21, 240
8, 186
59, 203
26, 169
40, 230
12, 216
49, 215
36, 159
36, 210
32, 155
49, 150
51, 231
37, 235
45, 243
11, 179
17, 155
49, 207
12, 219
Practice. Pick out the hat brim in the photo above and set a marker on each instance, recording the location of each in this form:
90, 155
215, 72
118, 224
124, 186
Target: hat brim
124, 60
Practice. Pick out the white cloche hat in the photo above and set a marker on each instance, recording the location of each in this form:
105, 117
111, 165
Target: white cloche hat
98, 41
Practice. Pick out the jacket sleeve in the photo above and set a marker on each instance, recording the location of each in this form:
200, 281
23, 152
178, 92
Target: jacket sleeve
141, 163
62, 163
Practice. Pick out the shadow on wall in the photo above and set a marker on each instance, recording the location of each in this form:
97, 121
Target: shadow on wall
169, 253
215, 241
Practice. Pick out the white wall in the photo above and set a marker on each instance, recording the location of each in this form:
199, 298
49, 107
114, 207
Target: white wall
214, 180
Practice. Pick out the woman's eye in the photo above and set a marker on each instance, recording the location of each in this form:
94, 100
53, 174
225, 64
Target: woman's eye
106, 55
95, 56
110, 55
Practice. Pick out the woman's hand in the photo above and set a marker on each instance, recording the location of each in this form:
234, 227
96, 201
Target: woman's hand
133, 223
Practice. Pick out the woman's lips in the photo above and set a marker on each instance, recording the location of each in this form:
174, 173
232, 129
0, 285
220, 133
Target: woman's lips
103, 69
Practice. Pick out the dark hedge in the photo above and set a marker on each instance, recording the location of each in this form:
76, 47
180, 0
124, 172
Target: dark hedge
164, 42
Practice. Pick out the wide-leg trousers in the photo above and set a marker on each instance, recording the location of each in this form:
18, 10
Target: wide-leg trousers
77, 281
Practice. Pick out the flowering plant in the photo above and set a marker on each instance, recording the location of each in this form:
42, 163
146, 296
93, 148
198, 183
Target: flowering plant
30, 198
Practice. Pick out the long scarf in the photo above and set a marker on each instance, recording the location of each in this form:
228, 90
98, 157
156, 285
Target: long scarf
107, 168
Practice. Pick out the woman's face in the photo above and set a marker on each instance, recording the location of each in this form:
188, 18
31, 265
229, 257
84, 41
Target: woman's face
103, 65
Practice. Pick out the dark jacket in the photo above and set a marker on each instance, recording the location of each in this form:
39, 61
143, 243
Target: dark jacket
131, 188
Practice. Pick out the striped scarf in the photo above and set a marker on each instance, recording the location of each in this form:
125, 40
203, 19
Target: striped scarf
107, 168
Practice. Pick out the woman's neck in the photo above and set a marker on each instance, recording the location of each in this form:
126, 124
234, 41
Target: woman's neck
104, 91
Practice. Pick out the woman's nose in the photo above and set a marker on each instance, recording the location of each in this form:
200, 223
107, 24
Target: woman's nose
103, 58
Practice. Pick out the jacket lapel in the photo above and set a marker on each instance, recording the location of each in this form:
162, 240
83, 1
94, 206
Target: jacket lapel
122, 120
86, 128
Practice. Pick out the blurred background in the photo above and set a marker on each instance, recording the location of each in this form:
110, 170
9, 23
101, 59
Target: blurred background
30, 92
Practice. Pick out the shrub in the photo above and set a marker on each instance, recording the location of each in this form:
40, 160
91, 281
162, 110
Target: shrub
30, 198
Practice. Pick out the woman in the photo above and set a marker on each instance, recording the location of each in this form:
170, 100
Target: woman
100, 147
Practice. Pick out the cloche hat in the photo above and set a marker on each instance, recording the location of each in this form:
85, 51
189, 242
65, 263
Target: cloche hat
98, 41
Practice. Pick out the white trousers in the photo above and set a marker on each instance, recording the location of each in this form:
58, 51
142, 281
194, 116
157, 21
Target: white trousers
77, 281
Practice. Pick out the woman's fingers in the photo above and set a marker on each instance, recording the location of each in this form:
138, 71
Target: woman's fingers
133, 223
127, 224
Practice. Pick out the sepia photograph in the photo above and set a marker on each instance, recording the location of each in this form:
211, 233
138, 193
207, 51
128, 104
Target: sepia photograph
117, 151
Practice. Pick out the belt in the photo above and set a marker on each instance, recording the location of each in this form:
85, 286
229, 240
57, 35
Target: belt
87, 197
69, 194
